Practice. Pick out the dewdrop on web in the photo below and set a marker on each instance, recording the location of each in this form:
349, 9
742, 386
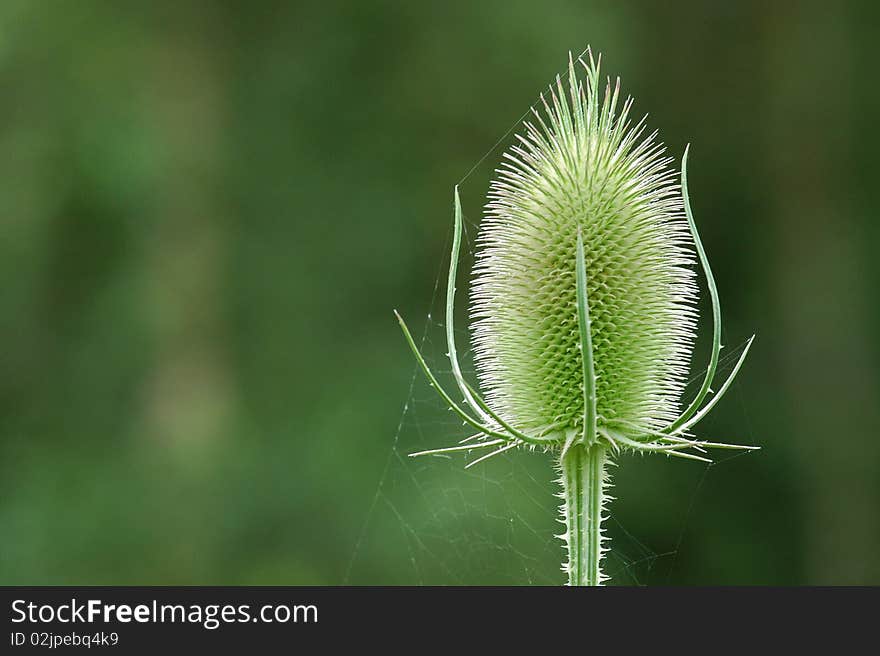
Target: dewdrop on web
583, 305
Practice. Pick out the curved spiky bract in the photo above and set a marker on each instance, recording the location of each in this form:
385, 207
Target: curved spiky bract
582, 166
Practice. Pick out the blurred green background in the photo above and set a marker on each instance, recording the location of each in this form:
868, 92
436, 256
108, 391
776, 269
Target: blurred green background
209, 210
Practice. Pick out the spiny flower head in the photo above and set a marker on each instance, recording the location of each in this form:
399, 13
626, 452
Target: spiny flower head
582, 166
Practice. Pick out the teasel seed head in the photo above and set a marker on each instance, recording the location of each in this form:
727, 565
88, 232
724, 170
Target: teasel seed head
581, 166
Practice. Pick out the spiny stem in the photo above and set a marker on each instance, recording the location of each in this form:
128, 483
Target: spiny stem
583, 486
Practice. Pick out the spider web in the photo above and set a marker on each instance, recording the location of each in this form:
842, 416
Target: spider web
495, 523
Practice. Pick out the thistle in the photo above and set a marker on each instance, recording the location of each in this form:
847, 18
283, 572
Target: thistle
584, 305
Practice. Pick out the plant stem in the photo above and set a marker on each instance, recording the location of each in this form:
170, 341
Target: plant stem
583, 486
